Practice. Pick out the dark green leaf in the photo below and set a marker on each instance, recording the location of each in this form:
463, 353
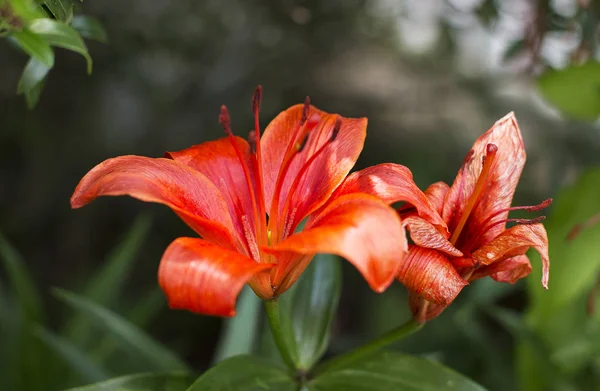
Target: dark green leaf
61, 9
89, 27
32, 81
61, 35
133, 338
575, 91
387, 371
314, 304
35, 45
76, 359
245, 373
106, 285
30, 302
573, 205
240, 331
142, 382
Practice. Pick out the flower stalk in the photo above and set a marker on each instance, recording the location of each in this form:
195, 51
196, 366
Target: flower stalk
274, 316
387, 339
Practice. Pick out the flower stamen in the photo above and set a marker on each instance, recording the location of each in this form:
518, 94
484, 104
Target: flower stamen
488, 162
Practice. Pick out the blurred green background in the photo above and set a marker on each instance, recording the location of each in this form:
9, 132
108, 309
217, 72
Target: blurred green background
430, 75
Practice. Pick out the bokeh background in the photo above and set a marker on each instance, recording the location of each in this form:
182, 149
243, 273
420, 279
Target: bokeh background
430, 75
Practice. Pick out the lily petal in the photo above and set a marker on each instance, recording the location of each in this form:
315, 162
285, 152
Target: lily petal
391, 183
424, 234
436, 193
502, 181
358, 227
201, 277
430, 274
218, 161
187, 192
325, 172
516, 241
508, 270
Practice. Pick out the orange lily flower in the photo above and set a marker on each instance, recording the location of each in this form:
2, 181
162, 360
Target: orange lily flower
223, 190
459, 233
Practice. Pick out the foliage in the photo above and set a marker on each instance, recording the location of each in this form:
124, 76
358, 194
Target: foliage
94, 342
36, 27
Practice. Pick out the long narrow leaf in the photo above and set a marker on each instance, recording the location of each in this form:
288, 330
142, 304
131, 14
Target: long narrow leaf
131, 337
239, 332
23, 285
142, 382
108, 281
75, 359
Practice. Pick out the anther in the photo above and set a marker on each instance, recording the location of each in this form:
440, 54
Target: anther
305, 110
225, 121
256, 99
300, 146
336, 129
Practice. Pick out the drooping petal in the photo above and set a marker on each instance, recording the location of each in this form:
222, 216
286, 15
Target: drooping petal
501, 182
324, 174
218, 161
201, 277
430, 274
424, 234
187, 192
508, 270
436, 194
516, 241
391, 183
358, 227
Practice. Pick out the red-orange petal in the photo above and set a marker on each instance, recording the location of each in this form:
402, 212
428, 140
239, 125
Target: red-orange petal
430, 274
436, 194
358, 227
218, 161
201, 277
516, 241
508, 270
424, 234
392, 183
325, 173
502, 181
187, 192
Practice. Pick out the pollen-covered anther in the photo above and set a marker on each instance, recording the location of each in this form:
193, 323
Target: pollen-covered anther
336, 129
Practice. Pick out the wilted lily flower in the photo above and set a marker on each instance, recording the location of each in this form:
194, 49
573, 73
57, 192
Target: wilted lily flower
459, 233
246, 199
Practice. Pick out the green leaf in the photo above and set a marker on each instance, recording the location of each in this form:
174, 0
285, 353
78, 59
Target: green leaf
61, 35
245, 373
240, 331
513, 49
76, 359
568, 279
108, 281
575, 90
89, 27
133, 338
61, 9
393, 371
142, 382
27, 295
32, 81
144, 311
315, 301
35, 45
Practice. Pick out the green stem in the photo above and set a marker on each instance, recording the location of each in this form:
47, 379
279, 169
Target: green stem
389, 338
272, 310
